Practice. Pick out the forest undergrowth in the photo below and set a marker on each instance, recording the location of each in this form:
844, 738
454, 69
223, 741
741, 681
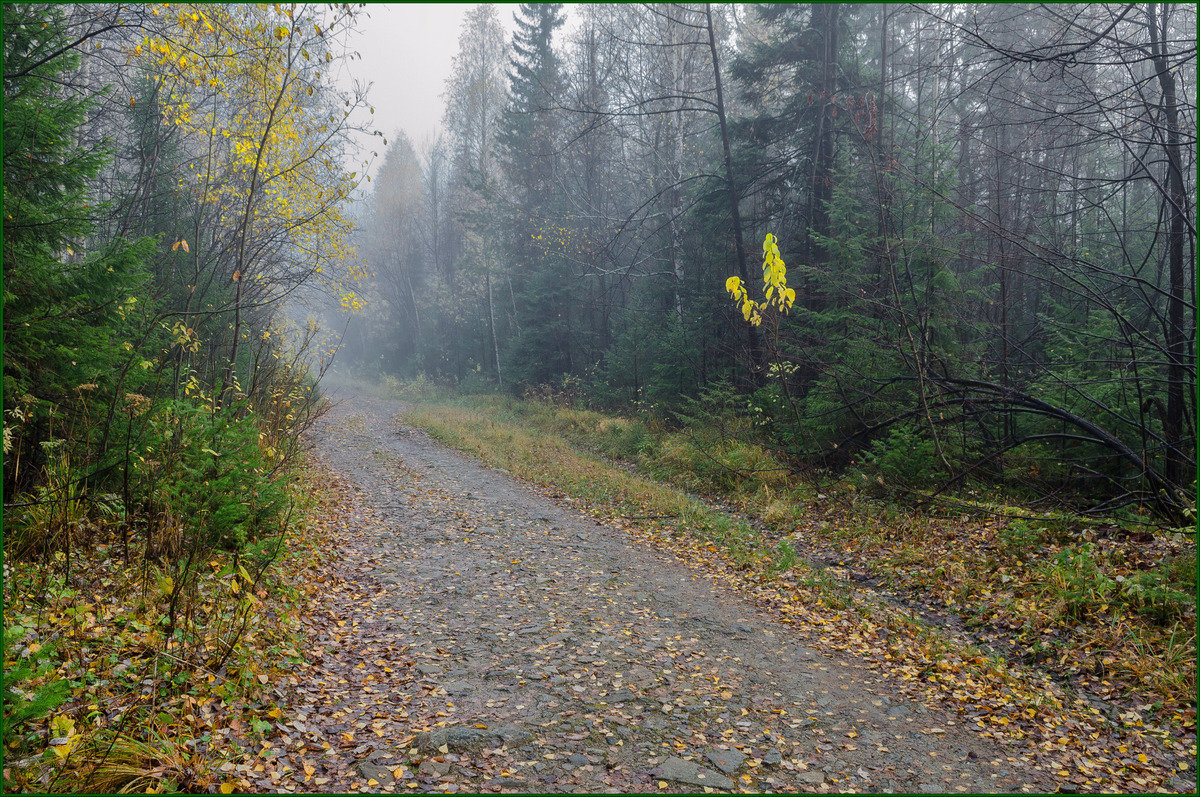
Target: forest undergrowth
142, 648
1105, 608
156, 385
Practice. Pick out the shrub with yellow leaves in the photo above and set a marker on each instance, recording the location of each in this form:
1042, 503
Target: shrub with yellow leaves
776, 292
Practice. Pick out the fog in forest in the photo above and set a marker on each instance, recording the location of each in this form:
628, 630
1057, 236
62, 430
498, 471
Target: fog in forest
985, 214
473, 398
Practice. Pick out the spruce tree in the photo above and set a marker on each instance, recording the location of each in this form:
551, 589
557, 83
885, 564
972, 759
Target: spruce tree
67, 297
527, 132
528, 139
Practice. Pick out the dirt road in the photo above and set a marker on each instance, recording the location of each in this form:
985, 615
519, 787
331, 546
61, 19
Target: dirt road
485, 638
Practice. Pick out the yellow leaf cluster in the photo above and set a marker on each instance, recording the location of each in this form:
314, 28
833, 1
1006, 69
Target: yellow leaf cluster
751, 310
775, 288
775, 284
248, 95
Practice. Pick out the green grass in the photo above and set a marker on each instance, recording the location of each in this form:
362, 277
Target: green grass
537, 453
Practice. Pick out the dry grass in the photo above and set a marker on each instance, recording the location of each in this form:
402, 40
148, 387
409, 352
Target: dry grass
1018, 581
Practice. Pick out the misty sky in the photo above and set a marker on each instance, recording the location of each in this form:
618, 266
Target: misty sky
407, 50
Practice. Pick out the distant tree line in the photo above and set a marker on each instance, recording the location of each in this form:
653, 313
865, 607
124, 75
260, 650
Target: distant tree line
987, 211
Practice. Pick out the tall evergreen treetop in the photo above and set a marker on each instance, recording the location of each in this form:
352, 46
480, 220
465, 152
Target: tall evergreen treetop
528, 127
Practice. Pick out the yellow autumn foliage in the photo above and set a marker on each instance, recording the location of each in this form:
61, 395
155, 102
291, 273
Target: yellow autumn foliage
776, 292
259, 111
